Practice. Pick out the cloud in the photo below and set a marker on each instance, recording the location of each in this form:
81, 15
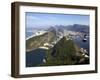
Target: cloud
32, 18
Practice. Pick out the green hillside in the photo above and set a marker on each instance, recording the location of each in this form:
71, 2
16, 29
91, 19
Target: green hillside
65, 52
62, 53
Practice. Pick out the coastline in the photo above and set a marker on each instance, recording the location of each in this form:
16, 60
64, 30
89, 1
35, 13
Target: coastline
36, 34
42, 47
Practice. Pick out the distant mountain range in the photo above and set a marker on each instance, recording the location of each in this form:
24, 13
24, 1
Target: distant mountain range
75, 27
79, 28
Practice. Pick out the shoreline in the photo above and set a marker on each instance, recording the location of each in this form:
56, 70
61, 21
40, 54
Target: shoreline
38, 48
36, 34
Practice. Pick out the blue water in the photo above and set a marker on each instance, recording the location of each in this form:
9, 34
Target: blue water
28, 34
35, 57
80, 43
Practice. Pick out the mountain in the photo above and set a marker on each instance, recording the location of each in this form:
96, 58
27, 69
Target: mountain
54, 33
38, 41
74, 27
78, 28
62, 53
65, 52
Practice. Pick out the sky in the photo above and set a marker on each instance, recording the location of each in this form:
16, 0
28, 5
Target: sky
43, 19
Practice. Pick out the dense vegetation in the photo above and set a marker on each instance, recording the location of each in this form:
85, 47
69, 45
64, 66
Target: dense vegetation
63, 52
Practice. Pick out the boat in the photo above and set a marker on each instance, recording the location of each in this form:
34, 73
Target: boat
85, 38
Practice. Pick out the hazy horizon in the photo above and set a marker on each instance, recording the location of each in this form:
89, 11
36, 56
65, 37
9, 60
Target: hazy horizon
46, 19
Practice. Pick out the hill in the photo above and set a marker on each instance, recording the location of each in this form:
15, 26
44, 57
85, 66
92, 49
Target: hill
65, 52
37, 41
